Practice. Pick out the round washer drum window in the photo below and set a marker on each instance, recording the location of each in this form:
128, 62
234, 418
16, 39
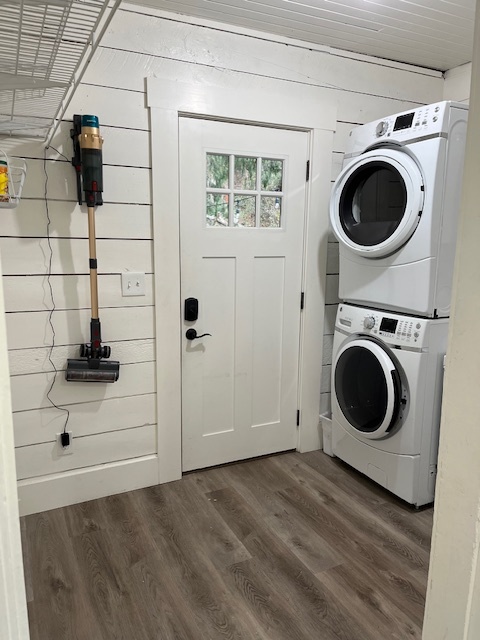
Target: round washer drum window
361, 389
372, 203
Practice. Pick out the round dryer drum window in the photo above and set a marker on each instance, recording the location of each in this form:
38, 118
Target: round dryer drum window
376, 202
373, 203
367, 388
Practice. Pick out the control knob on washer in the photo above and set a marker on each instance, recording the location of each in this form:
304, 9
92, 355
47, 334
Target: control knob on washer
381, 129
369, 322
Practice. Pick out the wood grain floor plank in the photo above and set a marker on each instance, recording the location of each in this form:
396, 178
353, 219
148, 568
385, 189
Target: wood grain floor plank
288, 547
265, 601
320, 614
196, 509
385, 619
216, 545
417, 525
202, 588
160, 607
208, 480
367, 525
396, 583
85, 517
27, 565
125, 530
421, 576
258, 484
60, 606
108, 589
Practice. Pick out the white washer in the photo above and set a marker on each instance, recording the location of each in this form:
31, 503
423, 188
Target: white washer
387, 377
394, 209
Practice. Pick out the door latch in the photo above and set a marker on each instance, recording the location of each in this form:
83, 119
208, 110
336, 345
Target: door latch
192, 334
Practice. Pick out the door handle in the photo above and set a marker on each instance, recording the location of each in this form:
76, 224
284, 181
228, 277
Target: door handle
192, 334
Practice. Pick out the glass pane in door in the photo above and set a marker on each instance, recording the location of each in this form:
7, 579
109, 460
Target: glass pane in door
245, 174
217, 210
217, 170
244, 210
272, 175
270, 211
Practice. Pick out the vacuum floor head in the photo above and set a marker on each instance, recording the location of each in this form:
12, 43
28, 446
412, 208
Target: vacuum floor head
84, 370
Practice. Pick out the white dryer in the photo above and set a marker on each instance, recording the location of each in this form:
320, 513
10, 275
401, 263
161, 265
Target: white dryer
394, 209
387, 378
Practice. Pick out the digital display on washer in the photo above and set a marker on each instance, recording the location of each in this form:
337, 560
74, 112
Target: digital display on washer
404, 122
389, 325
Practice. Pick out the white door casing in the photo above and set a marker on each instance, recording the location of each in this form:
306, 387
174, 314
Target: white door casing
240, 385
13, 604
269, 102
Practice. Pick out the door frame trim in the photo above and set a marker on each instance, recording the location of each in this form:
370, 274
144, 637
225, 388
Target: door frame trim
268, 102
13, 601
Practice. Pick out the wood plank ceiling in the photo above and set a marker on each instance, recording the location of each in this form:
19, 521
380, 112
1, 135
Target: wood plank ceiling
437, 34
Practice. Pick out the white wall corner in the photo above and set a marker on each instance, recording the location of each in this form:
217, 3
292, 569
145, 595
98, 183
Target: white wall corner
13, 604
457, 83
454, 580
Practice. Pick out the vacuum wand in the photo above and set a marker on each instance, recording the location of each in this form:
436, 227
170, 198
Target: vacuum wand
87, 160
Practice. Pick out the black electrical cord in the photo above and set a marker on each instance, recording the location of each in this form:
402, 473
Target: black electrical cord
52, 346
60, 154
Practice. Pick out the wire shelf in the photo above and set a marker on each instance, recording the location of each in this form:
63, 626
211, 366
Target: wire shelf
45, 48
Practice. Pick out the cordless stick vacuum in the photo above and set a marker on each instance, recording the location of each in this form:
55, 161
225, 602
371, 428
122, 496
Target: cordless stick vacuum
92, 366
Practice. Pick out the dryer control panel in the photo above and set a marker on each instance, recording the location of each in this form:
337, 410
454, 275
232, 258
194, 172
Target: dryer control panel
412, 124
391, 328
405, 127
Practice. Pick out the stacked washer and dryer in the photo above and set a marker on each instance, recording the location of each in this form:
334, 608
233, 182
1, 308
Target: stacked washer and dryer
394, 210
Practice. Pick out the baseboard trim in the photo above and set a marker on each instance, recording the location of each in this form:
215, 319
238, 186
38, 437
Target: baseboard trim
79, 485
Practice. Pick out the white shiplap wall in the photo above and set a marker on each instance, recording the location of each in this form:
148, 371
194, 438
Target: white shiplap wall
457, 83
429, 33
114, 425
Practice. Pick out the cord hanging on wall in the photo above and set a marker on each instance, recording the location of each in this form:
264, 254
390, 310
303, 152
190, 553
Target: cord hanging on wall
12, 177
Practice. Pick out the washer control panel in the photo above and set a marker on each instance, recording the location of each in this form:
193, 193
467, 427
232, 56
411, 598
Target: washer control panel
392, 328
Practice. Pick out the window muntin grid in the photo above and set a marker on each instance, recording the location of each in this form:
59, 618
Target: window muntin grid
248, 187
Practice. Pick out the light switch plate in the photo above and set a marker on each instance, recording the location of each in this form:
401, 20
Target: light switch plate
133, 284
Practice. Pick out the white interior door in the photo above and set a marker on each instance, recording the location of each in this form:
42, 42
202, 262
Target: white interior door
242, 210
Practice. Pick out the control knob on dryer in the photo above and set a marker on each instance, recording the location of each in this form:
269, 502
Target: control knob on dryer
381, 129
369, 322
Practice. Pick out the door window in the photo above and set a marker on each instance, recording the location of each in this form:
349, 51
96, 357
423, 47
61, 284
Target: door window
373, 203
361, 389
244, 191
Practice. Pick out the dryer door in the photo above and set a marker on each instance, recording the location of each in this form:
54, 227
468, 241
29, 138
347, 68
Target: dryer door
376, 202
368, 388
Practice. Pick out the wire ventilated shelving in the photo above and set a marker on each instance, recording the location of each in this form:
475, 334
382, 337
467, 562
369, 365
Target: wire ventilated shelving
45, 48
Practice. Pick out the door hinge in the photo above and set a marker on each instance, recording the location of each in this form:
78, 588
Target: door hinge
298, 417
302, 300
308, 171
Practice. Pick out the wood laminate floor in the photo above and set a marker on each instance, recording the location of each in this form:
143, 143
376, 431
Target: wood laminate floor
291, 547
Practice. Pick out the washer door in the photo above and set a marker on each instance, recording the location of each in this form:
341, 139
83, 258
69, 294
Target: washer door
376, 202
367, 387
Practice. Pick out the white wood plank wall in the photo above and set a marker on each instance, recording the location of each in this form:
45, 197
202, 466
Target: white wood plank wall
457, 83
114, 424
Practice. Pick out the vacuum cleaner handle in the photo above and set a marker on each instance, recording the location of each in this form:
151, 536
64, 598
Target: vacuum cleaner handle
92, 247
87, 160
